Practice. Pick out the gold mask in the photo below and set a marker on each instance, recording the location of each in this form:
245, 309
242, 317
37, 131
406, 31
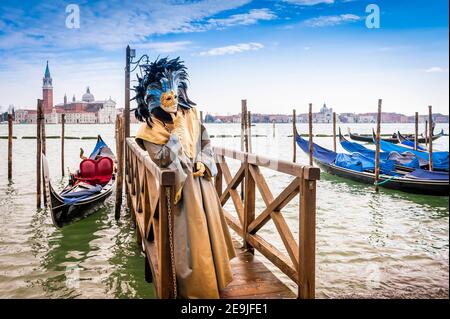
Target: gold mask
169, 101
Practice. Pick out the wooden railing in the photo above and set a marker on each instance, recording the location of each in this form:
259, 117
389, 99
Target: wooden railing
150, 197
299, 265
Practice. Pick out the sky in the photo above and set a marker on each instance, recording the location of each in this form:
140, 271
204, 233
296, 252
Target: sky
277, 54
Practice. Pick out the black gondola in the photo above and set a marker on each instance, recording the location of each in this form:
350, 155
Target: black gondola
394, 139
418, 181
88, 188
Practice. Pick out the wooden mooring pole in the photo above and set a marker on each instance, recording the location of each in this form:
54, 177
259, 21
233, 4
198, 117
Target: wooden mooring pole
416, 131
249, 129
38, 153
44, 151
430, 138
10, 138
120, 145
310, 119
294, 142
334, 131
63, 120
377, 148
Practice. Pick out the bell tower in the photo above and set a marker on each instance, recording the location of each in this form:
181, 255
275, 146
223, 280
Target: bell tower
47, 91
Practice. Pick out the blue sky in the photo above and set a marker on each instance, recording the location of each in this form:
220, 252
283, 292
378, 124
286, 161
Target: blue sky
276, 54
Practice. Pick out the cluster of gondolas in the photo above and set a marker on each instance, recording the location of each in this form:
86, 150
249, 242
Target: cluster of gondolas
402, 166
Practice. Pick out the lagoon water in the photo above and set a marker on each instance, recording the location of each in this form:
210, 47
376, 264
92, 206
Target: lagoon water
386, 245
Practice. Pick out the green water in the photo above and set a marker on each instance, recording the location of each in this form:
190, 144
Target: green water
384, 245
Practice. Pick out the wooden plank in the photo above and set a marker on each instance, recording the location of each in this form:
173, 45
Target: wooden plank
274, 255
252, 279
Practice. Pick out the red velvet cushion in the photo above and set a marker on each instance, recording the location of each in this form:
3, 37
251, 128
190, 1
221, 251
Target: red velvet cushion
96, 171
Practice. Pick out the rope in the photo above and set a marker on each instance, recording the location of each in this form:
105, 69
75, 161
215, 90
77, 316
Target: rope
385, 181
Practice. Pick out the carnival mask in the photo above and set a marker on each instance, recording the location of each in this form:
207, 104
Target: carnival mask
164, 85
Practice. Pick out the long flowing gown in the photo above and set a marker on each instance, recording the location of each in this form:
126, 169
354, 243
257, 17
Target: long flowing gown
202, 242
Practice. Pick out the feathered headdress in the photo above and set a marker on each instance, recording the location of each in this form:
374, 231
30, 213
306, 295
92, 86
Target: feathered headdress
159, 77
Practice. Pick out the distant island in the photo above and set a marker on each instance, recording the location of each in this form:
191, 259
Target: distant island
325, 115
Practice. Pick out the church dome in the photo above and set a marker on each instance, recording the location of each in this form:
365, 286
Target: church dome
88, 97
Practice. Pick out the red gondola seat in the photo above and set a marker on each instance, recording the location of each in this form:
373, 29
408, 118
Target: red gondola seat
96, 171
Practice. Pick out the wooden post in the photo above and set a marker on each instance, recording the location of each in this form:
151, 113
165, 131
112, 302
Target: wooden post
416, 130
120, 155
126, 111
10, 138
310, 119
334, 131
249, 205
294, 142
307, 239
38, 153
167, 189
249, 126
430, 139
377, 149
44, 151
63, 120
426, 133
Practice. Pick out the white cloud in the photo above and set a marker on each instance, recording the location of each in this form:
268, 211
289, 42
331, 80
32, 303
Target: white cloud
309, 2
232, 49
109, 26
324, 21
252, 17
436, 69
163, 47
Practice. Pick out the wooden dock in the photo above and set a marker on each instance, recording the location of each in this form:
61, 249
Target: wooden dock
150, 198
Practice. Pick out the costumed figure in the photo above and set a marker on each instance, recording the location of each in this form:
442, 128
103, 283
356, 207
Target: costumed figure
174, 137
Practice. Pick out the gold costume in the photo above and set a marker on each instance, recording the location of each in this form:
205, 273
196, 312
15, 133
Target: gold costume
202, 242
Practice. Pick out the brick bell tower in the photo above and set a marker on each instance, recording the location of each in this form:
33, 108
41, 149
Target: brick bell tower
47, 91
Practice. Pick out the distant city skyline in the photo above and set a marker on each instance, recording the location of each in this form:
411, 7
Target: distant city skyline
278, 55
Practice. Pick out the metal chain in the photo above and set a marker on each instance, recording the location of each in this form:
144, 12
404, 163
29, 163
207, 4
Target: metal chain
172, 253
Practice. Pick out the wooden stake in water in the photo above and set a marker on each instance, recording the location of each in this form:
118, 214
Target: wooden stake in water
38, 153
294, 133
63, 120
334, 131
430, 141
120, 155
10, 138
249, 128
44, 151
310, 119
377, 149
416, 132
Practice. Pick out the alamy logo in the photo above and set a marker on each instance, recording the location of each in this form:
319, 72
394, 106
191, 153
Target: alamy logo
373, 19
73, 19
72, 276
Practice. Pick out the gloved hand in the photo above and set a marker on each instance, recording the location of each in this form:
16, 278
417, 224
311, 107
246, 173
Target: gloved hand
200, 169
179, 123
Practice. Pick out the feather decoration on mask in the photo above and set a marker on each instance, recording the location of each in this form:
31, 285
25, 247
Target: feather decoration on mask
162, 77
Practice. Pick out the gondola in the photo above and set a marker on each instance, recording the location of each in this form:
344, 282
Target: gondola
87, 188
405, 161
410, 142
440, 158
418, 181
393, 139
